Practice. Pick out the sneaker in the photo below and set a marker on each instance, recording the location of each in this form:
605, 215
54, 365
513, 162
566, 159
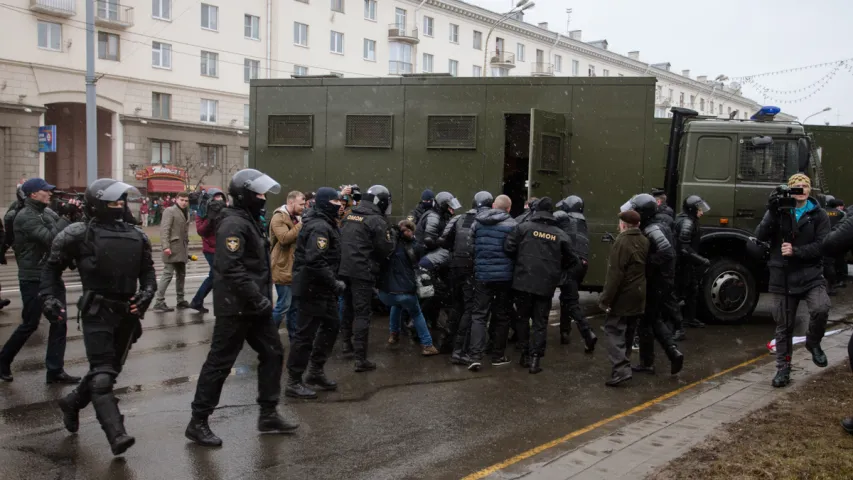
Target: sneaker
430, 351
636, 344
394, 338
183, 305
474, 366
162, 308
496, 362
460, 359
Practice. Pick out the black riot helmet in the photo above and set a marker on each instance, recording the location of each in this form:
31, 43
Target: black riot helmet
483, 199
644, 204
245, 187
572, 204
444, 201
693, 204
104, 191
379, 196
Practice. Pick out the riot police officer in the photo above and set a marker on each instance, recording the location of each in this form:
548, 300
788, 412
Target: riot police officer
432, 223
660, 271
456, 238
315, 291
690, 263
117, 271
366, 242
242, 304
570, 219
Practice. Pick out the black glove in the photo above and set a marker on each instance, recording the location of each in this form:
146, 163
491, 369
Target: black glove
142, 300
773, 204
265, 307
340, 287
54, 310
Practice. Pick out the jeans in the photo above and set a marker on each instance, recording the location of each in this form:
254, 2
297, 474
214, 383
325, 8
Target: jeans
31, 314
285, 308
206, 285
408, 301
170, 270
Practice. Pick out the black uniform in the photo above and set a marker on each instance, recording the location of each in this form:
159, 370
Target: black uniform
456, 238
690, 263
571, 220
834, 268
366, 243
430, 227
542, 251
117, 271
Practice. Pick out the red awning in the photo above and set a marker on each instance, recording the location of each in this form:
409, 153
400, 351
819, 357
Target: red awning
163, 185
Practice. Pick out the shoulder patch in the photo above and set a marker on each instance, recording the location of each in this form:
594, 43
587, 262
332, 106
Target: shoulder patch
232, 244
322, 243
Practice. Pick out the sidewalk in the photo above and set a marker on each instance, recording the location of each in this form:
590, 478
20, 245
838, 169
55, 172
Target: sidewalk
642, 446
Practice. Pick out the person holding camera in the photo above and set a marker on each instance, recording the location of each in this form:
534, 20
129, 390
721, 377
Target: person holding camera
796, 226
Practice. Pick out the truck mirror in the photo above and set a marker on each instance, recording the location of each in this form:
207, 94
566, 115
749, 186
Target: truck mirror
761, 141
803, 152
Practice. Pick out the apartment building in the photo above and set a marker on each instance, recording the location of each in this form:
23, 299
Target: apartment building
173, 76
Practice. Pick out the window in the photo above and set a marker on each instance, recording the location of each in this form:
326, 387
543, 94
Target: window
300, 70
369, 131
477, 71
50, 35
729, 112
370, 9
767, 164
478, 40
709, 151
702, 104
591, 70
161, 9
252, 27
209, 17
208, 110
161, 105
660, 112
290, 131
211, 154
250, 69
161, 152
746, 117
208, 64
400, 18
558, 63
500, 72
245, 158
692, 101
429, 22
540, 56
721, 109
605, 72
681, 99
658, 92
670, 96
499, 45
161, 55
300, 34
427, 66
453, 68
246, 114
336, 44
338, 6
454, 33
108, 44
576, 68
712, 106
400, 58
452, 131
370, 50
519, 52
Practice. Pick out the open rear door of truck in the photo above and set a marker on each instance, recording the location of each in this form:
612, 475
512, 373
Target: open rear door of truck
549, 152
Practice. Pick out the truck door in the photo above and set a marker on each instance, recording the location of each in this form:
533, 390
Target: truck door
761, 168
549, 149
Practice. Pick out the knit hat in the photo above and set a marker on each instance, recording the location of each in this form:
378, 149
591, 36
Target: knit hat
427, 195
631, 217
799, 178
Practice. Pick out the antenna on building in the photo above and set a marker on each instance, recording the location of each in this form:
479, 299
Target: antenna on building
568, 18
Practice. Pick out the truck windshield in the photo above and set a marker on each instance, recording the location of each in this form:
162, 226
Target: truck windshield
768, 164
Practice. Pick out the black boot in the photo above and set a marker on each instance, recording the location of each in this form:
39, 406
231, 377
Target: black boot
676, 359
678, 335
818, 356
364, 365
112, 422
650, 369
199, 431
535, 364
782, 378
317, 378
71, 405
524, 360
589, 341
271, 422
296, 389
346, 347
565, 338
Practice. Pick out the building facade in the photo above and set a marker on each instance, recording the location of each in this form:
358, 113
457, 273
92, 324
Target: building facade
173, 79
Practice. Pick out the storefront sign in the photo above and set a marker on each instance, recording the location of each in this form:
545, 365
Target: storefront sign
162, 171
47, 139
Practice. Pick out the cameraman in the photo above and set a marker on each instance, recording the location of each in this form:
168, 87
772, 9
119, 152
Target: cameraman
795, 226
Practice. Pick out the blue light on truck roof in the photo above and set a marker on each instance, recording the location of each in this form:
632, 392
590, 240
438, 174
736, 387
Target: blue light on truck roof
766, 113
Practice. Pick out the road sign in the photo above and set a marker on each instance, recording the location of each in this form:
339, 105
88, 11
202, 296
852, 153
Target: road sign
47, 138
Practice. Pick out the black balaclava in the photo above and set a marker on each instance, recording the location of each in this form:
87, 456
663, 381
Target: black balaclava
323, 201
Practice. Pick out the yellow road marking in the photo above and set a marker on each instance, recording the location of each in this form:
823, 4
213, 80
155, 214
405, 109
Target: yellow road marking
553, 443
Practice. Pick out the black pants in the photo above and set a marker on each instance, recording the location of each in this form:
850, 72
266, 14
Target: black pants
316, 330
30, 317
687, 285
829, 272
463, 305
570, 306
536, 307
357, 309
229, 333
651, 324
841, 268
494, 297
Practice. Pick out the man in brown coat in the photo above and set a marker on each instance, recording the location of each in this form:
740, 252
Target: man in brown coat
284, 229
174, 236
624, 294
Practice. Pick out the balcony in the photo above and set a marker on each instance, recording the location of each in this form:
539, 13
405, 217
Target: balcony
399, 68
114, 15
543, 70
401, 33
503, 59
59, 8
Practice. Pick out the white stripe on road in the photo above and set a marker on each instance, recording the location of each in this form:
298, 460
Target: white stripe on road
78, 284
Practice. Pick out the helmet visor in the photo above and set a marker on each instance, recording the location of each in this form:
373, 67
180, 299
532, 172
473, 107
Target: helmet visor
703, 205
115, 191
263, 185
626, 206
388, 208
454, 204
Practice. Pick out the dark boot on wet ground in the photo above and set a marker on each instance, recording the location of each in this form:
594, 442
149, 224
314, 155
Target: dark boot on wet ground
618, 379
589, 341
296, 389
270, 421
112, 422
364, 365
317, 378
676, 359
782, 378
535, 364
199, 432
71, 405
818, 355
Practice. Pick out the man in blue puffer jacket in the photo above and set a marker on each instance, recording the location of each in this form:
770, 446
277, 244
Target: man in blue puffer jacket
493, 271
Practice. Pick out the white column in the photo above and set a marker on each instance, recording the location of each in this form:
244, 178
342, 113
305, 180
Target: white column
118, 148
41, 154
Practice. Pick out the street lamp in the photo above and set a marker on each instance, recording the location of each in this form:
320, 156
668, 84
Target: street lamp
521, 6
817, 113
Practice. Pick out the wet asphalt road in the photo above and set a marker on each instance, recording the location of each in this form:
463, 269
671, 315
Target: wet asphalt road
414, 417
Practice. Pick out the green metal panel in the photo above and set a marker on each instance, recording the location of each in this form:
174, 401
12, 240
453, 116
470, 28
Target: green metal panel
836, 147
549, 141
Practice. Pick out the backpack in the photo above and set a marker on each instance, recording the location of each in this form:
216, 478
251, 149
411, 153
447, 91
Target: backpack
9, 223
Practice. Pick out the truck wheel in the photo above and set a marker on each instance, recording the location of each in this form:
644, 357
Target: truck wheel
729, 292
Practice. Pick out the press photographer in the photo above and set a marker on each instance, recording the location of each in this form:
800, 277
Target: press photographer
795, 226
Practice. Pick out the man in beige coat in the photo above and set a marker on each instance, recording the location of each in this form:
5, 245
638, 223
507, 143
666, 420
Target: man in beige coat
174, 235
284, 229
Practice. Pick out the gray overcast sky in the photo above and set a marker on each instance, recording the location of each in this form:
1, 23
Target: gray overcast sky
731, 37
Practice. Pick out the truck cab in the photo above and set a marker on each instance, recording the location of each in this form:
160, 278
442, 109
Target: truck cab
734, 165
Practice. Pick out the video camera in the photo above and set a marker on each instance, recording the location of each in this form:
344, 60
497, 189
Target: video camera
356, 192
784, 196
61, 205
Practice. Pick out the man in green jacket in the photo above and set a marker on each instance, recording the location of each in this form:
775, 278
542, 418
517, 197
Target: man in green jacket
35, 227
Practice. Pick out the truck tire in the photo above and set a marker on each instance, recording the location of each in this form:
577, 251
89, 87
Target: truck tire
728, 292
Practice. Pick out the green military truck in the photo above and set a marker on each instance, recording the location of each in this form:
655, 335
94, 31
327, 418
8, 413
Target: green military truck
593, 137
